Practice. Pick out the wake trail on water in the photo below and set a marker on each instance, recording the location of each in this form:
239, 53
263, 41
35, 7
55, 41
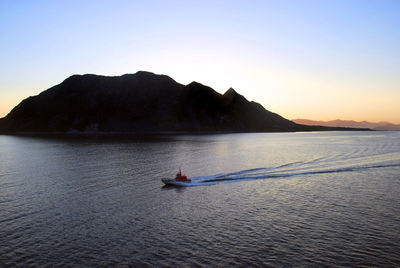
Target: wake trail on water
314, 166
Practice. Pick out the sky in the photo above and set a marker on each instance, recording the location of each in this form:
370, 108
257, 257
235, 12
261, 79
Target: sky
320, 60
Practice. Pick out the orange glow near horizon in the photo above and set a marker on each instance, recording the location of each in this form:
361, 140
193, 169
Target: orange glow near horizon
293, 98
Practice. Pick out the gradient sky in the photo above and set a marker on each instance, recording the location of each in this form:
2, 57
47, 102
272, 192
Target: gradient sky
319, 60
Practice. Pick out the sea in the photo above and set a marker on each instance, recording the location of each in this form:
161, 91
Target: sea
256, 200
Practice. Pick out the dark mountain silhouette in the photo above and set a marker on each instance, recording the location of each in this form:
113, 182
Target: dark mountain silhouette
139, 103
350, 123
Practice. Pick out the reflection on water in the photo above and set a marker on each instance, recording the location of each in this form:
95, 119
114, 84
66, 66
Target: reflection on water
292, 198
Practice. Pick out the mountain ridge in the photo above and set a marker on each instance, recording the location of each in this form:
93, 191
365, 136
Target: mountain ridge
141, 103
350, 123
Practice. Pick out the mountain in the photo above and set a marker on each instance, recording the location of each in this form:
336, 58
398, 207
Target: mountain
349, 123
140, 103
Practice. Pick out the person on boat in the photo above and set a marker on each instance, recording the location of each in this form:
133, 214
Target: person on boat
180, 177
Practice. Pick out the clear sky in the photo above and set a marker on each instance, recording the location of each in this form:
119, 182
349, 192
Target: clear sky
320, 60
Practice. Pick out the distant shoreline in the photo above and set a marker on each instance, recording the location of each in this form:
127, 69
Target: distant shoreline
100, 134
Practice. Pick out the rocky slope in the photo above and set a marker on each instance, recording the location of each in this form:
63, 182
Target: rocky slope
140, 103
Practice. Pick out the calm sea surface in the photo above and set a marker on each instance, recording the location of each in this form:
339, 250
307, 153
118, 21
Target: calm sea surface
267, 199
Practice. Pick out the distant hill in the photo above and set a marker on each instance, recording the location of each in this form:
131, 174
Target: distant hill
349, 123
140, 103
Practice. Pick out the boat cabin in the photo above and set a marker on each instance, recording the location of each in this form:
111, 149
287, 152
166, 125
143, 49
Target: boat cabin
180, 177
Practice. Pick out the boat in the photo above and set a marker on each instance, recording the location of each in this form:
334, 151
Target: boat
179, 180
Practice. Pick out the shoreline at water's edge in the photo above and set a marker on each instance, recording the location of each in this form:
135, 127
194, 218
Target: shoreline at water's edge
150, 133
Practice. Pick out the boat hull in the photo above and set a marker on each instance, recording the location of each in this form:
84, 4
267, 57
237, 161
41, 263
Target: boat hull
174, 182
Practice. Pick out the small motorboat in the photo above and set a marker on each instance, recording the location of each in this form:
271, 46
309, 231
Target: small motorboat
180, 180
